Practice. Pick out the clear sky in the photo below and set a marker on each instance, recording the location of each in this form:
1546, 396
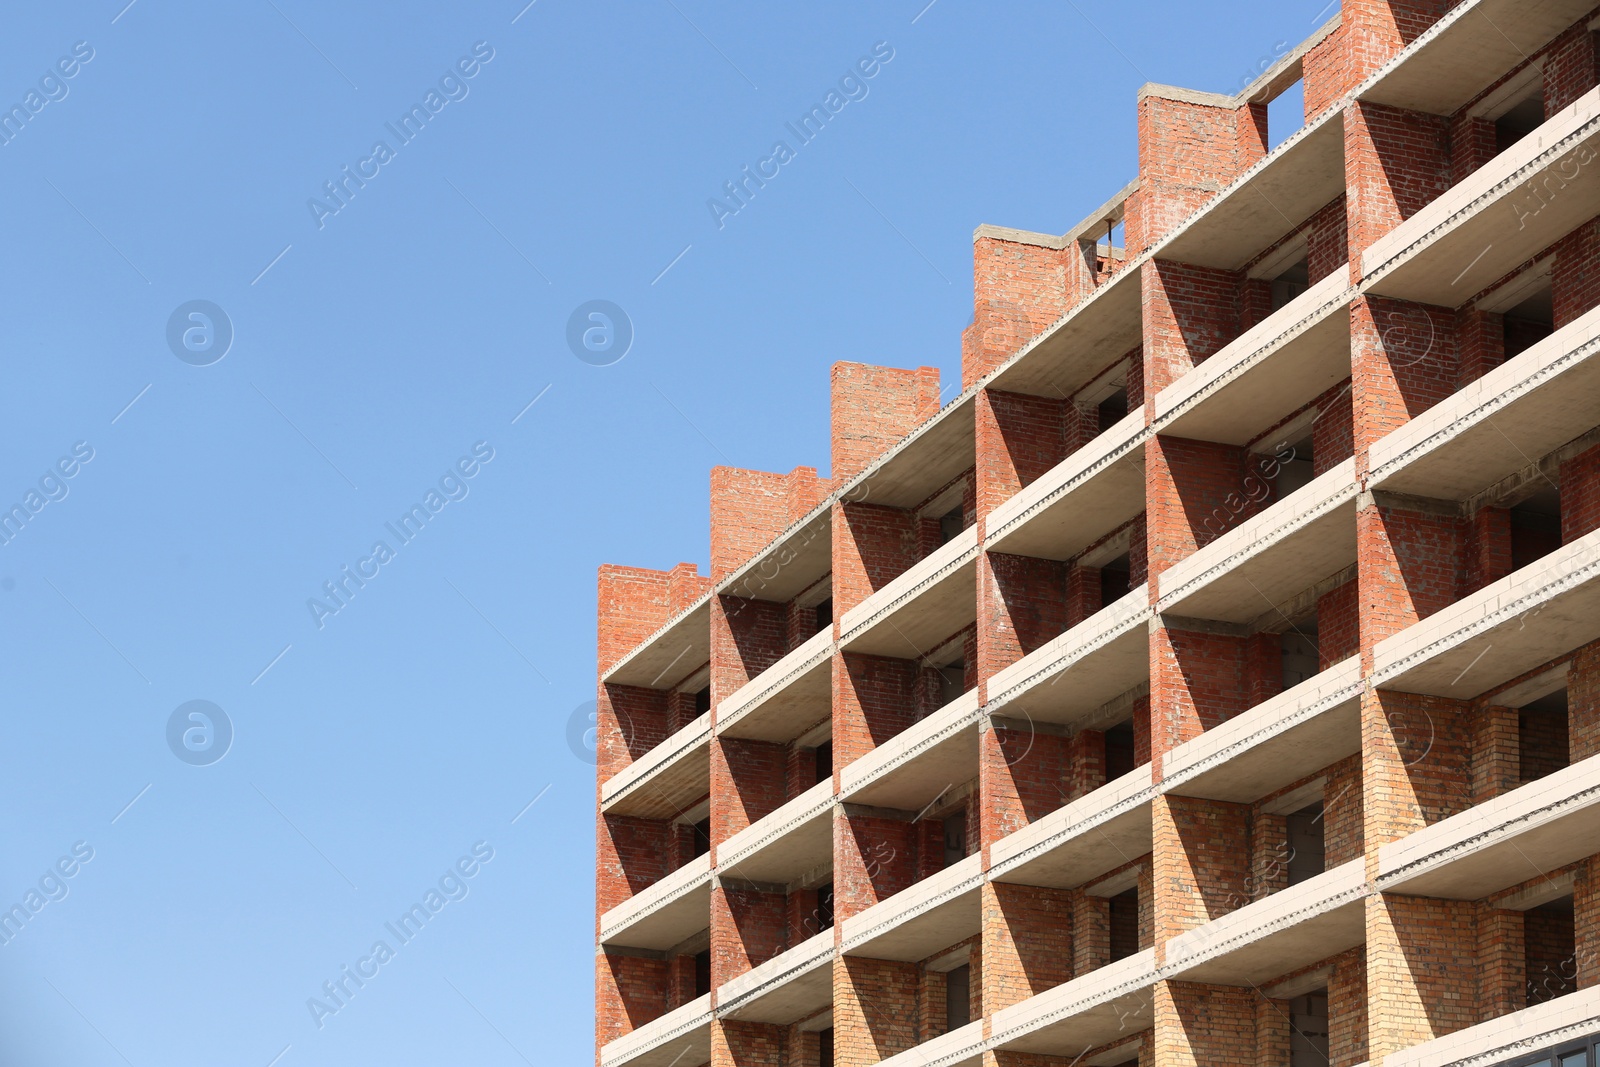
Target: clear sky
187, 485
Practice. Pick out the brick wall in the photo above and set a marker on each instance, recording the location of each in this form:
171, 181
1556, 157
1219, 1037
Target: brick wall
872, 702
1021, 606
748, 928
628, 992
872, 545
874, 407
1201, 862
1027, 942
1396, 163
1204, 1025
1190, 313
1188, 151
1019, 288
1421, 970
1580, 495
1019, 438
874, 1009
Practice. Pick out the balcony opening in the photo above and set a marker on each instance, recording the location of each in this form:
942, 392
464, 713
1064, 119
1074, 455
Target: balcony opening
1529, 322
1549, 944
1308, 1029
1535, 527
825, 1047
1295, 466
1112, 410
958, 997
702, 837
1124, 924
1110, 250
1299, 644
1291, 282
955, 837
951, 523
825, 907
702, 973
824, 762
1119, 751
1286, 113
1542, 742
824, 615
702, 702
1306, 856
952, 681
1523, 117
1116, 580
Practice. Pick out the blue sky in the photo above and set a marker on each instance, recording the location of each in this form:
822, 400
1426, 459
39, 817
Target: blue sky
373, 350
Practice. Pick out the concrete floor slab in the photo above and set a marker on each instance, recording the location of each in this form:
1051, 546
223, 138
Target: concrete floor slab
785, 989
666, 780
1276, 743
1510, 209
1509, 1037
665, 913
1500, 424
912, 769
918, 921
1078, 843
933, 599
785, 844
1080, 500
1264, 561
671, 654
1085, 1013
1070, 679
680, 1037
784, 700
1502, 631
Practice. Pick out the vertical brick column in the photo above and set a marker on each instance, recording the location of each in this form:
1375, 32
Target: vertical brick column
1409, 565
1416, 770
741, 1044
1580, 495
1027, 942
1347, 1010
1022, 282
1575, 274
1487, 548
1023, 775
874, 1009
1586, 922
873, 407
1583, 704
1201, 862
749, 926
1502, 963
1204, 1025
631, 853
1091, 932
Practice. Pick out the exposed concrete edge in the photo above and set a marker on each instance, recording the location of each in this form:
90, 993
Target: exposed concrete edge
1021, 237
914, 901
686, 879
675, 1023
1053, 657
681, 743
758, 690
779, 823
1186, 96
949, 721
737, 993
1508, 1037
917, 579
1110, 801
1271, 82
1076, 470
1099, 986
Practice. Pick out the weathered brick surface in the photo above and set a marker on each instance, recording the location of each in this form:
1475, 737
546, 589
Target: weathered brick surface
628, 993
1027, 942
1196, 492
1583, 703
872, 408
1580, 496
742, 1044
1204, 1025
1187, 153
750, 508
1575, 276
874, 1009
1201, 862
1421, 970
1415, 763
748, 928
872, 546
873, 859
1396, 163
748, 781
1189, 314
1018, 290
1021, 606
872, 701
1404, 361
1347, 1009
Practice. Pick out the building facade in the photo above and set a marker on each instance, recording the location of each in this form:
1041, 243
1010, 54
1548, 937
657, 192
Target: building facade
1215, 681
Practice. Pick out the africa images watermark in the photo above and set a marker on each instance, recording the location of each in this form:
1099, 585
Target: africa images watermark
452, 886
52, 487
852, 87
53, 88
452, 88
452, 486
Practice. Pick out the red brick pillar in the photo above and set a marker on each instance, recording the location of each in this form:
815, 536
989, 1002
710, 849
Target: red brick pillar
1580, 495
1574, 277
747, 777
1502, 963
1027, 942
1347, 1010
749, 926
1023, 775
1201, 862
1495, 748
1586, 923
1204, 1025
1022, 282
741, 1044
1422, 981
1408, 566
1488, 548
1583, 703
1570, 67
1272, 1032
874, 1010
874, 857
1091, 932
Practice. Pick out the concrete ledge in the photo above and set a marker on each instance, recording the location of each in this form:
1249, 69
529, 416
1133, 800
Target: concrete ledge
1085, 1013
1102, 657
1286, 931
1021, 237
1497, 844
1505, 629
773, 705
962, 1047
911, 769
669, 655
1492, 221
1276, 367
941, 587
1547, 1025
1084, 497
1523, 409
789, 563
1466, 51
1278, 742
665, 780
1264, 561
790, 986
1077, 843
784, 844
665, 1041
920, 919
664, 913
